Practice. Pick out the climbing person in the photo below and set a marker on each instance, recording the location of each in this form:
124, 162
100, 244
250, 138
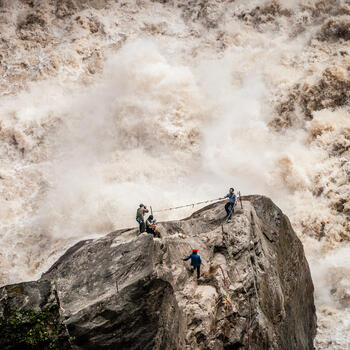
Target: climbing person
196, 262
229, 206
151, 226
140, 213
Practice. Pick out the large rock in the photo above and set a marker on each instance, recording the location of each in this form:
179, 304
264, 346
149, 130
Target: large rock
30, 318
129, 291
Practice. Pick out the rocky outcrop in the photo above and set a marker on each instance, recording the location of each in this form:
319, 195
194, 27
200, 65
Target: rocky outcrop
129, 291
30, 318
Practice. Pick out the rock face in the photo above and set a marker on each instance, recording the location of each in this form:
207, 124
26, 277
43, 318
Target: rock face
129, 291
30, 319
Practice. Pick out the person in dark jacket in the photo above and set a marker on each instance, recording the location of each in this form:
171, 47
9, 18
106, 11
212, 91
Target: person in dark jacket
151, 226
196, 262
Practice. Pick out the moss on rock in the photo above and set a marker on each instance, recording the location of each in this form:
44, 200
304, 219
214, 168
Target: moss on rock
32, 330
30, 318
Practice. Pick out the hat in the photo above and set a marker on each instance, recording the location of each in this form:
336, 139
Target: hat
195, 250
141, 205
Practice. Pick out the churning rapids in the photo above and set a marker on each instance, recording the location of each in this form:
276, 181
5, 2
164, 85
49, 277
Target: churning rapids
106, 103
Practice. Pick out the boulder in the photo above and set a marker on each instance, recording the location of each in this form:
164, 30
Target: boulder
30, 317
131, 291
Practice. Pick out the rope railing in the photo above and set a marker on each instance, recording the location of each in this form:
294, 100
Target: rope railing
197, 203
189, 205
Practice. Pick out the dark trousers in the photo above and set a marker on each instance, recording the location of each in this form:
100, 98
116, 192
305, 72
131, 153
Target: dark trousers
150, 230
198, 270
229, 207
142, 226
153, 232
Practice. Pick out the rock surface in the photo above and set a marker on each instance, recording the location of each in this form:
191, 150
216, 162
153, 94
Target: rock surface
129, 291
30, 318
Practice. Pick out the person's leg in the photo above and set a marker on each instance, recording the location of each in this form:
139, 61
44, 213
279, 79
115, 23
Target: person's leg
227, 205
142, 227
230, 211
198, 271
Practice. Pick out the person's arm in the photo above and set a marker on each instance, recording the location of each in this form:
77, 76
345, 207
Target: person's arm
227, 196
189, 257
200, 261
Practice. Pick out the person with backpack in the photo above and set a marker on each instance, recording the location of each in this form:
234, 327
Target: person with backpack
196, 262
140, 214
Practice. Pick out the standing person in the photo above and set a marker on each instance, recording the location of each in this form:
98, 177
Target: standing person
229, 207
140, 213
196, 262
